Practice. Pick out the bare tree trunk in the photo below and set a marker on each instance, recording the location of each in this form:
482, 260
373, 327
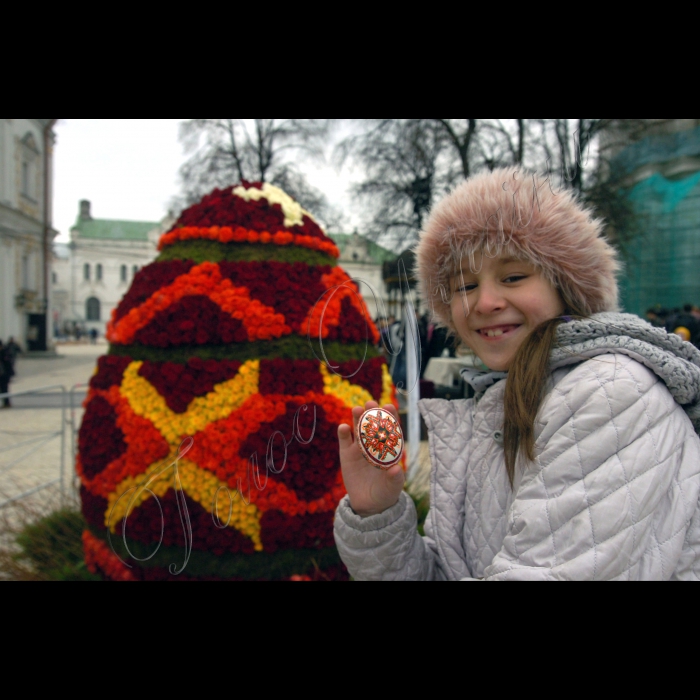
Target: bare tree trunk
235, 154
521, 141
461, 144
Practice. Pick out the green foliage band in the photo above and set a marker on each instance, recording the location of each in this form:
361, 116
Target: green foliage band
261, 565
213, 251
291, 348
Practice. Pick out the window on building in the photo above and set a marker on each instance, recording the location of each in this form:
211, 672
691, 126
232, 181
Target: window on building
25, 179
54, 278
124, 273
92, 310
135, 270
86, 272
98, 273
29, 153
29, 178
25, 272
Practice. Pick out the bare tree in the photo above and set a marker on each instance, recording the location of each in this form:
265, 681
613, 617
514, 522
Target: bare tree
408, 163
460, 133
499, 142
577, 154
401, 162
564, 148
223, 152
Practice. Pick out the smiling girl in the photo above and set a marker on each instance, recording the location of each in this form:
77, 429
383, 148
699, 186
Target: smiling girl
578, 459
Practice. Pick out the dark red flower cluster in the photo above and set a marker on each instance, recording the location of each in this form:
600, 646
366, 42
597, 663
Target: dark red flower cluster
290, 377
311, 470
195, 320
100, 440
280, 531
148, 281
110, 370
157, 573
369, 376
353, 326
94, 508
143, 573
290, 289
179, 384
223, 208
145, 524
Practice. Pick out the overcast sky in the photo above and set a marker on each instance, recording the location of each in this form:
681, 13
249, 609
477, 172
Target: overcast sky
128, 169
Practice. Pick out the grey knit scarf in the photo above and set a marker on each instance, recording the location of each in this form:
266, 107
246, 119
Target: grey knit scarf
674, 361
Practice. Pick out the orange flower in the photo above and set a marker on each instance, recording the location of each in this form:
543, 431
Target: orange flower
261, 322
100, 560
240, 235
327, 313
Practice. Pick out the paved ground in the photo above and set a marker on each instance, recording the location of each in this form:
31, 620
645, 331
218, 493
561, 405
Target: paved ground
32, 439
75, 365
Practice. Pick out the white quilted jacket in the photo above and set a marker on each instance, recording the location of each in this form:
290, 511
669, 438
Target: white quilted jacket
612, 494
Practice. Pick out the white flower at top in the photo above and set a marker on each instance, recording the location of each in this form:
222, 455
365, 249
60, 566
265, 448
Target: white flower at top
293, 211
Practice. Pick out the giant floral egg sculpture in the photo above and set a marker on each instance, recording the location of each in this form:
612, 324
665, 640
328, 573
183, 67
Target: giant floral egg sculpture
209, 446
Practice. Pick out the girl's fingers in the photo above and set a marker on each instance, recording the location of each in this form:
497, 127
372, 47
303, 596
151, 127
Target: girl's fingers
392, 410
344, 433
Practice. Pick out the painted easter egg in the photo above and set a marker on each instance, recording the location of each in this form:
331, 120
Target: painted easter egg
209, 449
380, 438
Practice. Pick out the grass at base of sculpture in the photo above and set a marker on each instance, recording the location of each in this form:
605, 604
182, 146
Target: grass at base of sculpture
36, 546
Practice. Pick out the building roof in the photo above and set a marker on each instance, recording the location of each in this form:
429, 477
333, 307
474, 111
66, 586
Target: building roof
110, 230
376, 253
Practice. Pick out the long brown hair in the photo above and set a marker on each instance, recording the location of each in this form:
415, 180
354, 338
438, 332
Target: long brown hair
525, 389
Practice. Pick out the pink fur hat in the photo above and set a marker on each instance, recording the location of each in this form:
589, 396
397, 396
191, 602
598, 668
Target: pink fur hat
516, 213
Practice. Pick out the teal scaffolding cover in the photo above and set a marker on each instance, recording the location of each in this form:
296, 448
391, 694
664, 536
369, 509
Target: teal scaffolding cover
663, 261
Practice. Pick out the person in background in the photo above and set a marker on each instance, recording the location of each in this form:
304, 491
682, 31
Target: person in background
685, 322
93, 336
13, 350
398, 350
6, 373
384, 326
653, 317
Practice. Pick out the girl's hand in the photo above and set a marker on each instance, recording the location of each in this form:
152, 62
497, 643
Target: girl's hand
371, 490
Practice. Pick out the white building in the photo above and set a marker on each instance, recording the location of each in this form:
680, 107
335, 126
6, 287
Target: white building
93, 272
26, 232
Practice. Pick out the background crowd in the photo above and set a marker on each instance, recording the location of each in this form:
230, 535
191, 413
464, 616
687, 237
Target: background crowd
433, 343
8, 356
683, 322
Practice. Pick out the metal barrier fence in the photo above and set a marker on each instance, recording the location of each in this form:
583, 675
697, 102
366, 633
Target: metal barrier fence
43, 398
74, 427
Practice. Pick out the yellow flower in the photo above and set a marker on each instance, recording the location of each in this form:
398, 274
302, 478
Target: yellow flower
200, 485
387, 387
145, 401
350, 394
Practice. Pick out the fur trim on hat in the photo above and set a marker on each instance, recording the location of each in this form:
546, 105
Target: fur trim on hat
510, 211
